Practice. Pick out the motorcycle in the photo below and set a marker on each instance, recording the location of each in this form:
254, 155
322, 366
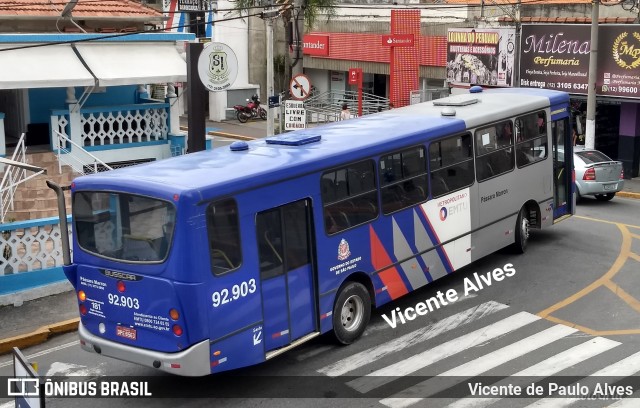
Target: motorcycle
251, 110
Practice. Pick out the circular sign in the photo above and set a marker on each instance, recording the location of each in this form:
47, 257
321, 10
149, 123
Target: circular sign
300, 87
217, 66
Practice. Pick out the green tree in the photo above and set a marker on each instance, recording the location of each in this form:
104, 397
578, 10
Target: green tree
301, 13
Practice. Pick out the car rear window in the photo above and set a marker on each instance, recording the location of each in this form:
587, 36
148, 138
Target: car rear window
593, 156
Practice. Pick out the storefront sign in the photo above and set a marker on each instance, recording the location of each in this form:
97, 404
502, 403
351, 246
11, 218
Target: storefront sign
619, 61
481, 56
397, 40
555, 57
314, 44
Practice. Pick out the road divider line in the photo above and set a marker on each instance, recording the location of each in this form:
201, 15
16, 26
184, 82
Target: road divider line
625, 250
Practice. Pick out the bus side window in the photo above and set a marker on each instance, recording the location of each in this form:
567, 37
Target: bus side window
497, 156
349, 196
454, 169
531, 145
224, 236
403, 179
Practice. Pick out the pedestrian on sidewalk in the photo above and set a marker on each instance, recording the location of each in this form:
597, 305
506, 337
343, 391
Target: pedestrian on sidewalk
345, 114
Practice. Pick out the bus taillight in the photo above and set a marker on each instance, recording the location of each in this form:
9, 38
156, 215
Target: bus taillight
120, 286
177, 330
82, 296
83, 309
173, 313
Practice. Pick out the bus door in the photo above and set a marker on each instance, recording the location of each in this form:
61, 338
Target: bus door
286, 273
562, 168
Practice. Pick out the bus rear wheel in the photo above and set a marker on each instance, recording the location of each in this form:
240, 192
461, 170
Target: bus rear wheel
351, 312
522, 232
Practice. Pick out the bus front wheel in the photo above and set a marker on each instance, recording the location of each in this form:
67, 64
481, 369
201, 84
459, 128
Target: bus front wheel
522, 232
351, 312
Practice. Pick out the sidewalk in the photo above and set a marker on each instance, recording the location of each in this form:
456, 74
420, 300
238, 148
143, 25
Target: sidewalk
35, 321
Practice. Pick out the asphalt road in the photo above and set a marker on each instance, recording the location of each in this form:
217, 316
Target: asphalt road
570, 309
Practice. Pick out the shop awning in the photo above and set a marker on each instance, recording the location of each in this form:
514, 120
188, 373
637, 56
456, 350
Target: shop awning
133, 63
50, 66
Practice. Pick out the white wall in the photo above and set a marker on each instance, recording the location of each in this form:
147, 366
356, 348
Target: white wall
235, 34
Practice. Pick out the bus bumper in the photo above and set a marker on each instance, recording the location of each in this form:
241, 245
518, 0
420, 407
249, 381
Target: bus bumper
192, 362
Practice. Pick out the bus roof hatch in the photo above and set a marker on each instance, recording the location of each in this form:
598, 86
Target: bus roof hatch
457, 100
293, 139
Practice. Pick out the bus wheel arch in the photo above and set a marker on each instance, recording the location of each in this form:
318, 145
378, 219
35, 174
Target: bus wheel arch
528, 217
352, 309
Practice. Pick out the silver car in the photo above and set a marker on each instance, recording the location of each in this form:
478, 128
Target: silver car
597, 174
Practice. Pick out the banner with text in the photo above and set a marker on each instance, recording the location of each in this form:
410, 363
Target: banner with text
481, 56
557, 57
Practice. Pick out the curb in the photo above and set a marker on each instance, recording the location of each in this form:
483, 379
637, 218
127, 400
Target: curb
38, 336
628, 194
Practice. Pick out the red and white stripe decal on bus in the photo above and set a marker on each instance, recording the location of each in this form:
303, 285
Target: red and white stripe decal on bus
280, 334
441, 251
390, 277
324, 316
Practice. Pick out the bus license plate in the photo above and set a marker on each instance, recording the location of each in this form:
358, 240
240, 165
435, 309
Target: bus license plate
609, 187
126, 332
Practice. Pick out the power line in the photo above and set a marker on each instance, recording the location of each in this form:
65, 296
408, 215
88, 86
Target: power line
110, 36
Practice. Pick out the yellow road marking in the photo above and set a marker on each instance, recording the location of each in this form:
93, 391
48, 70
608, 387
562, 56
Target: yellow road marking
604, 280
606, 221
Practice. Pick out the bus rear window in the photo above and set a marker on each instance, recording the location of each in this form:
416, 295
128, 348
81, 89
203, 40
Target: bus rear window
224, 236
123, 226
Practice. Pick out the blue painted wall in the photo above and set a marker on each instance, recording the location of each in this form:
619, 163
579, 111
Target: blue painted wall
42, 101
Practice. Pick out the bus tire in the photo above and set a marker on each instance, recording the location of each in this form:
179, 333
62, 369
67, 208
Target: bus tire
351, 312
522, 232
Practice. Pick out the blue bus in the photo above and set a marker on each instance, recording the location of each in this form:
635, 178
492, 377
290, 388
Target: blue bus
226, 258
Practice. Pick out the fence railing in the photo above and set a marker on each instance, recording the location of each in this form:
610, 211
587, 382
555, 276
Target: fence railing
14, 176
75, 156
31, 245
326, 106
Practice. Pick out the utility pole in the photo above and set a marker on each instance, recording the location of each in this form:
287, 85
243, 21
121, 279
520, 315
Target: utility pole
298, 33
269, 15
590, 135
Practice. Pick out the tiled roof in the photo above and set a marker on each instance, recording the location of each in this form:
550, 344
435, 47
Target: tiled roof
84, 8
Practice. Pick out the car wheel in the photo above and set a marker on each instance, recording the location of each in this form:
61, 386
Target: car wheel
242, 117
605, 197
522, 232
351, 312
578, 195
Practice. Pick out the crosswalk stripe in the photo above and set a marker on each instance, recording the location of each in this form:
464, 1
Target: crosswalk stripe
480, 365
550, 366
417, 336
623, 368
440, 352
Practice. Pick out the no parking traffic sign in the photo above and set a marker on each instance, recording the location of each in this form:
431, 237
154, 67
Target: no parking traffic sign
300, 87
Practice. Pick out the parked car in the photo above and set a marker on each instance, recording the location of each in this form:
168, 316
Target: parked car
597, 174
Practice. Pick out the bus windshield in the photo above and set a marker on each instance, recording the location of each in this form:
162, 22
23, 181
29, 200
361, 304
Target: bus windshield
124, 227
